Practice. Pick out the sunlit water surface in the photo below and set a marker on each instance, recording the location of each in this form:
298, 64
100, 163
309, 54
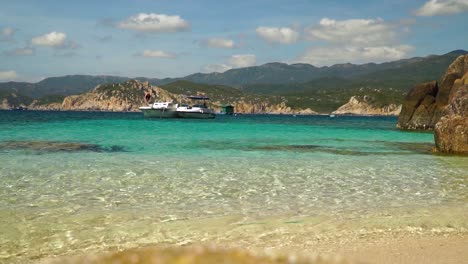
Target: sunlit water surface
137, 181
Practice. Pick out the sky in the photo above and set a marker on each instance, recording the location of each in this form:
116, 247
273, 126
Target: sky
175, 38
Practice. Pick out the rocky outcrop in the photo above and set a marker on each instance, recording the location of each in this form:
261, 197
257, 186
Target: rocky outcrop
35, 105
451, 132
129, 96
121, 97
425, 104
364, 106
418, 109
247, 107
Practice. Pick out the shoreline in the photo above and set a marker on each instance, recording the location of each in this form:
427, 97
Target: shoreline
397, 248
386, 237
138, 111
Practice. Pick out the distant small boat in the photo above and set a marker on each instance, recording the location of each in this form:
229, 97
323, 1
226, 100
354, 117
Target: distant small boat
331, 115
160, 110
19, 108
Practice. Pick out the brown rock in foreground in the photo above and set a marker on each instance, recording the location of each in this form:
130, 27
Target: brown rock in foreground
186, 255
418, 108
425, 104
451, 132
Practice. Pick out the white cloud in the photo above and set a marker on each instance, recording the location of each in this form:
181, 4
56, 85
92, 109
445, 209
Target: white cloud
442, 7
26, 51
356, 41
235, 61
216, 68
283, 35
369, 32
242, 60
7, 32
221, 43
52, 39
154, 23
158, 54
331, 55
8, 75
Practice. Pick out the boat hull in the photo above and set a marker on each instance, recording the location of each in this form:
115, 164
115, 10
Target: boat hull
159, 113
196, 115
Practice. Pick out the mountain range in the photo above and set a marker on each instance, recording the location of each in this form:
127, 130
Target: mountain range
301, 85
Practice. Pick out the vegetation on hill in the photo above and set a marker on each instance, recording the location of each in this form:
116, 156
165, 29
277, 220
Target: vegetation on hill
220, 93
50, 99
416, 69
131, 91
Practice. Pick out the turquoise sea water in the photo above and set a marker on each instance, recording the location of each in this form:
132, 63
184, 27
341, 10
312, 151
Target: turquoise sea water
137, 181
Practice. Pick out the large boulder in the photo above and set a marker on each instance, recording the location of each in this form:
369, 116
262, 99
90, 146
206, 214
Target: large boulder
418, 107
451, 132
425, 104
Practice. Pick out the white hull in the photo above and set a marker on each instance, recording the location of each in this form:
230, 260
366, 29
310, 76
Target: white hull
196, 111
159, 113
196, 115
160, 110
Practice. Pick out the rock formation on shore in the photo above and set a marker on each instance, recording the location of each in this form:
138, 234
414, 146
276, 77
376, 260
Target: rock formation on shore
130, 95
127, 96
451, 132
364, 106
425, 104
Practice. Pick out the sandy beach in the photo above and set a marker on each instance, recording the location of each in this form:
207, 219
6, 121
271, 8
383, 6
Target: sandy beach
423, 249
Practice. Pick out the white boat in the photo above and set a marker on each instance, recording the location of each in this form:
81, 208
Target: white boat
199, 111
160, 110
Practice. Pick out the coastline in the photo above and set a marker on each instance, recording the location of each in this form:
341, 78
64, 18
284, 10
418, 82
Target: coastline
259, 113
385, 237
398, 248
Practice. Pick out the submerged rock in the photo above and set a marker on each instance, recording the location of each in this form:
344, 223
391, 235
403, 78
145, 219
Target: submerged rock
414, 147
56, 146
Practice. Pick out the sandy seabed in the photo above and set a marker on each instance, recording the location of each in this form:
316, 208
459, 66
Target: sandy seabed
416, 237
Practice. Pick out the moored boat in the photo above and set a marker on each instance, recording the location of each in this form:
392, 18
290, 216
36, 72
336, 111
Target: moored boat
198, 111
160, 110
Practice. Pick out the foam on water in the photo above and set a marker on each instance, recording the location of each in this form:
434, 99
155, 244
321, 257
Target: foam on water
180, 181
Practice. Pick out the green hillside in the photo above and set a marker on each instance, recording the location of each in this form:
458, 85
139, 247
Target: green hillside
221, 93
413, 69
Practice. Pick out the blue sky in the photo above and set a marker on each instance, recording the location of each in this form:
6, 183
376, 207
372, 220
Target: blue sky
159, 38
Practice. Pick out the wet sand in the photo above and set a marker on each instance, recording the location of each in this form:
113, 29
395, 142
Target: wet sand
444, 249
381, 238
424, 250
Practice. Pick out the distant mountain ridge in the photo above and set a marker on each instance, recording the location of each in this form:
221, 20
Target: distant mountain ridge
282, 73
301, 85
63, 85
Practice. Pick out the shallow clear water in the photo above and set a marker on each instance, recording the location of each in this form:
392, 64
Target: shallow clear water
132, 176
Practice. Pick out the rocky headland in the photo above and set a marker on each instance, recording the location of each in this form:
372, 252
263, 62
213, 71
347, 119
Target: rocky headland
365, 105
442, 107
128, 96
